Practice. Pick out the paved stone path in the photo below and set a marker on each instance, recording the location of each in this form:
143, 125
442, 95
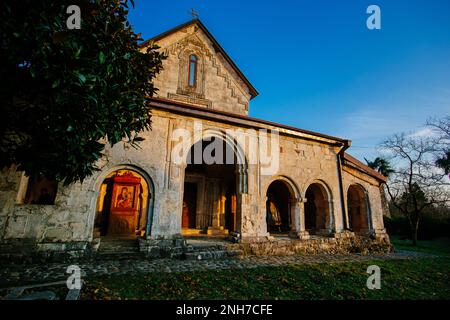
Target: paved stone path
17, 275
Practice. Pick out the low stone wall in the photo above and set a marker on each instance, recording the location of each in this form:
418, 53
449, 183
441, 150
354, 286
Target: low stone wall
344, 244
29, 251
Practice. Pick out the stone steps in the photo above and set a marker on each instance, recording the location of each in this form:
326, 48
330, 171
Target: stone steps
120, 248
118, 255
205, 251
196, 250
212, 254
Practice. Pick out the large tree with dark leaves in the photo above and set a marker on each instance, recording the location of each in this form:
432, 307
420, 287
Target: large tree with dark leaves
65, 93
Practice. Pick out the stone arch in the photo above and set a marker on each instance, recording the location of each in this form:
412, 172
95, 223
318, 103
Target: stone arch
242, 162
212, 191
289, 182
282, 212
145, 219
358, 207
319, 217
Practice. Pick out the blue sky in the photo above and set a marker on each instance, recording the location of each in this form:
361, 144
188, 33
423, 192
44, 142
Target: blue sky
317, 66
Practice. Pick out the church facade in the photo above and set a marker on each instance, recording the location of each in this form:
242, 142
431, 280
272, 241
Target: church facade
205, 168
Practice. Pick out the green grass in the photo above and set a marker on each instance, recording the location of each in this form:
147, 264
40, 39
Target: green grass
422, 278
438, 246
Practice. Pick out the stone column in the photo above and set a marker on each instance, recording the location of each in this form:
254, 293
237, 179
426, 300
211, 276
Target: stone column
331, 225
298, 219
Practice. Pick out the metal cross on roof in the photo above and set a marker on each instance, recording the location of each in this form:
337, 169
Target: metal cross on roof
194, 14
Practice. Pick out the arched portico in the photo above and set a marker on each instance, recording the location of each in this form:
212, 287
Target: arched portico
125, 202
215, 177
283, 209
318, 209
280, 207
358, 209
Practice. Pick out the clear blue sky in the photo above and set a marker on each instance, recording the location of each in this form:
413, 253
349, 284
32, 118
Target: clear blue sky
317, 66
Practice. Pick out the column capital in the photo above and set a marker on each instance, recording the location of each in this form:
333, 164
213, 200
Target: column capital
296, 201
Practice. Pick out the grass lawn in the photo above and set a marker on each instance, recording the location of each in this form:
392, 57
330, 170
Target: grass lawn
438, 247
422, 278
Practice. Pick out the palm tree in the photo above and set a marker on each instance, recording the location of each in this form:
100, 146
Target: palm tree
384, 167
381, 165
444, 162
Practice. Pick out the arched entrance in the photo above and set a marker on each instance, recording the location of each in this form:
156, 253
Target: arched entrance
317, 209
279, 207
358, 213
123, 205
210, 188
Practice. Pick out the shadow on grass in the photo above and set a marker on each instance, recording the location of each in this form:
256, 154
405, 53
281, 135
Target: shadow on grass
419, 278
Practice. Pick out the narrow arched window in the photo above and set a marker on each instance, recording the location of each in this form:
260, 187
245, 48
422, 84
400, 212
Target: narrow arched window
193, 70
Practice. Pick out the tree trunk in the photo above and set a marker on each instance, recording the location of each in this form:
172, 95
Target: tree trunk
414, 237
415, 228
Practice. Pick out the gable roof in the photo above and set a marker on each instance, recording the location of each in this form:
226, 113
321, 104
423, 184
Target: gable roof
217, 47
364, 168
237, 119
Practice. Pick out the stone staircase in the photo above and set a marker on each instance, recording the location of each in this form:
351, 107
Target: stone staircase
120, 248
209, 250
194, 249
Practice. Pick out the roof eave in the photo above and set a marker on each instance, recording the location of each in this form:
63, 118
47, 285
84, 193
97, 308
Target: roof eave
364, 168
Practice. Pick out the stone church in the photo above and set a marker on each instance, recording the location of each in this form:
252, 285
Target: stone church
311, 191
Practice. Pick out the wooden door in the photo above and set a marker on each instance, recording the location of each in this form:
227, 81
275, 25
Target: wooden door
188, 219
124, 204
185, 216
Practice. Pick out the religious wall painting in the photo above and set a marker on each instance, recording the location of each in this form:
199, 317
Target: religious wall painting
125, 198
124, 207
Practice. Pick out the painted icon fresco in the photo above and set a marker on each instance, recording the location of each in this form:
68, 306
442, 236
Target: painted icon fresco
125, 197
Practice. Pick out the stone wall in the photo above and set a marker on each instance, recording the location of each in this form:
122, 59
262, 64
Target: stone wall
350, 243
302, 162
67, 220
304, 159
372, 188
219, 86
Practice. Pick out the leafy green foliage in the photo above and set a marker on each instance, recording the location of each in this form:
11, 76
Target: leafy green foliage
66, 93
413, 197
381, 165
444, 162
430, 227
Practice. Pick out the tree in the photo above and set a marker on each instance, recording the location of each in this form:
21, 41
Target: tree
415, 185
441, 128
66, 93
444, 162
381, 165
